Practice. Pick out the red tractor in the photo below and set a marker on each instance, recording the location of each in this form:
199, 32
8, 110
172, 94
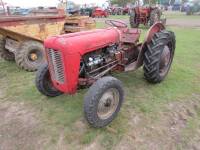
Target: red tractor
84, 59
144, 15
99, 12
126, 10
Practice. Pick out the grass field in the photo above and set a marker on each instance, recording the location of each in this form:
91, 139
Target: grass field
168, 15
162, 116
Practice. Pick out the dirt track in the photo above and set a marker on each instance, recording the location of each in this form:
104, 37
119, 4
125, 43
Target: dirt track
183, 23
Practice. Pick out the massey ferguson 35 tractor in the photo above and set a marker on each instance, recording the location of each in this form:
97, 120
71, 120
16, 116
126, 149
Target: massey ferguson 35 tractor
144, 15
79, 60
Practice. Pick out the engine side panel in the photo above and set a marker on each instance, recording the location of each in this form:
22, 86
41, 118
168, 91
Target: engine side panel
72, 47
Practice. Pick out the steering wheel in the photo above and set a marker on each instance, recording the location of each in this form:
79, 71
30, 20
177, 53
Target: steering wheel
115, 23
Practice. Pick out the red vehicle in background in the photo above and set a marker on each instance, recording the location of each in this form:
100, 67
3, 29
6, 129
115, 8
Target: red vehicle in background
99, 12
126, 10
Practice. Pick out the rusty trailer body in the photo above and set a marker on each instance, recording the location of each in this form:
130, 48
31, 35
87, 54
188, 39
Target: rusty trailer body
23, 36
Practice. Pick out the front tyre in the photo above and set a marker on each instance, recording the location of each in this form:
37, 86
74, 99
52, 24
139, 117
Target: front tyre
44, 83
159, 56
103, 101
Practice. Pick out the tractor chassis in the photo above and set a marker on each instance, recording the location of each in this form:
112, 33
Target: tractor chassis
119, 51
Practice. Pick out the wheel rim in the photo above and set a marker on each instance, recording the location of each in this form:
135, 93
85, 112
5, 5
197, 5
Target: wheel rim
108, 103
35, 56
165, 61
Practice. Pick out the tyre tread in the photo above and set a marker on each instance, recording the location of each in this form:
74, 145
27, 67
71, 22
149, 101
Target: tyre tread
153, 52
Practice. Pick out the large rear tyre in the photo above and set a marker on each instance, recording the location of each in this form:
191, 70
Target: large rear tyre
133, 21
44, 83
155, 16
159, 56
103, 101
4, 53
30, 55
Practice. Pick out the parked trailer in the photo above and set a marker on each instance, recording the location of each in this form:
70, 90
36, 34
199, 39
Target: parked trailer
23, 36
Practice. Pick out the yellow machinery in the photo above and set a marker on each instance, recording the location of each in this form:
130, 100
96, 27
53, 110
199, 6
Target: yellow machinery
22, 36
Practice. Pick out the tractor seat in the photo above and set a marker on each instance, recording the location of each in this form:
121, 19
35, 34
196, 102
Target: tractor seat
130, 35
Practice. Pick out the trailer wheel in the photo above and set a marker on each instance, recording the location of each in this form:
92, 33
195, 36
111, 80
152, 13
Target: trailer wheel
4, 53
44, 83
155, 16
30, 55
133, 21
159, 56
103, 101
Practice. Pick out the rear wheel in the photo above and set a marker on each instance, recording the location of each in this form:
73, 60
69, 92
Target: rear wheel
4, 53
44, 83
133, 21
159, 56
30, 55
103, 101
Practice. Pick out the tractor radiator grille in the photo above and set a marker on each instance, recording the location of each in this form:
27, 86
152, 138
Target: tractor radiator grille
56, 65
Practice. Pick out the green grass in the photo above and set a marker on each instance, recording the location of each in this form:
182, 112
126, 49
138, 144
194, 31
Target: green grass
100, 25
167, 14
62, 113
118, 17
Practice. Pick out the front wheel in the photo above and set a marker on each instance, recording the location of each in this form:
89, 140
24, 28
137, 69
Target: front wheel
44, 83
159, 56
103, 101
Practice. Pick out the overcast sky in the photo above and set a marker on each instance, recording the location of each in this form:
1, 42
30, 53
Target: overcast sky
35, 3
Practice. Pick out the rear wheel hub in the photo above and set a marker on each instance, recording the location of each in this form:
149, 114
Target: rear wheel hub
33, 56
165, 60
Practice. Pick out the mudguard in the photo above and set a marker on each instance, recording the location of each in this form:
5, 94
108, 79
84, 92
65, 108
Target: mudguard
157, 27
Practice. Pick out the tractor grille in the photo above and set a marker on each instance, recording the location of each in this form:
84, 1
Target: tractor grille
56, 65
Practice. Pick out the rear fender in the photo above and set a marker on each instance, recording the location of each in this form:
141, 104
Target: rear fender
157, 27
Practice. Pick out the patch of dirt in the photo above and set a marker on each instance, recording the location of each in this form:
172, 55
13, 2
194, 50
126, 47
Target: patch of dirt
167, 131
2, 94
81, 126
183, 23
94, 145
20, 127
61, 141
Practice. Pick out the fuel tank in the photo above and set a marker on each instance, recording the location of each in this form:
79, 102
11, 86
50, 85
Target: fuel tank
64, 54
